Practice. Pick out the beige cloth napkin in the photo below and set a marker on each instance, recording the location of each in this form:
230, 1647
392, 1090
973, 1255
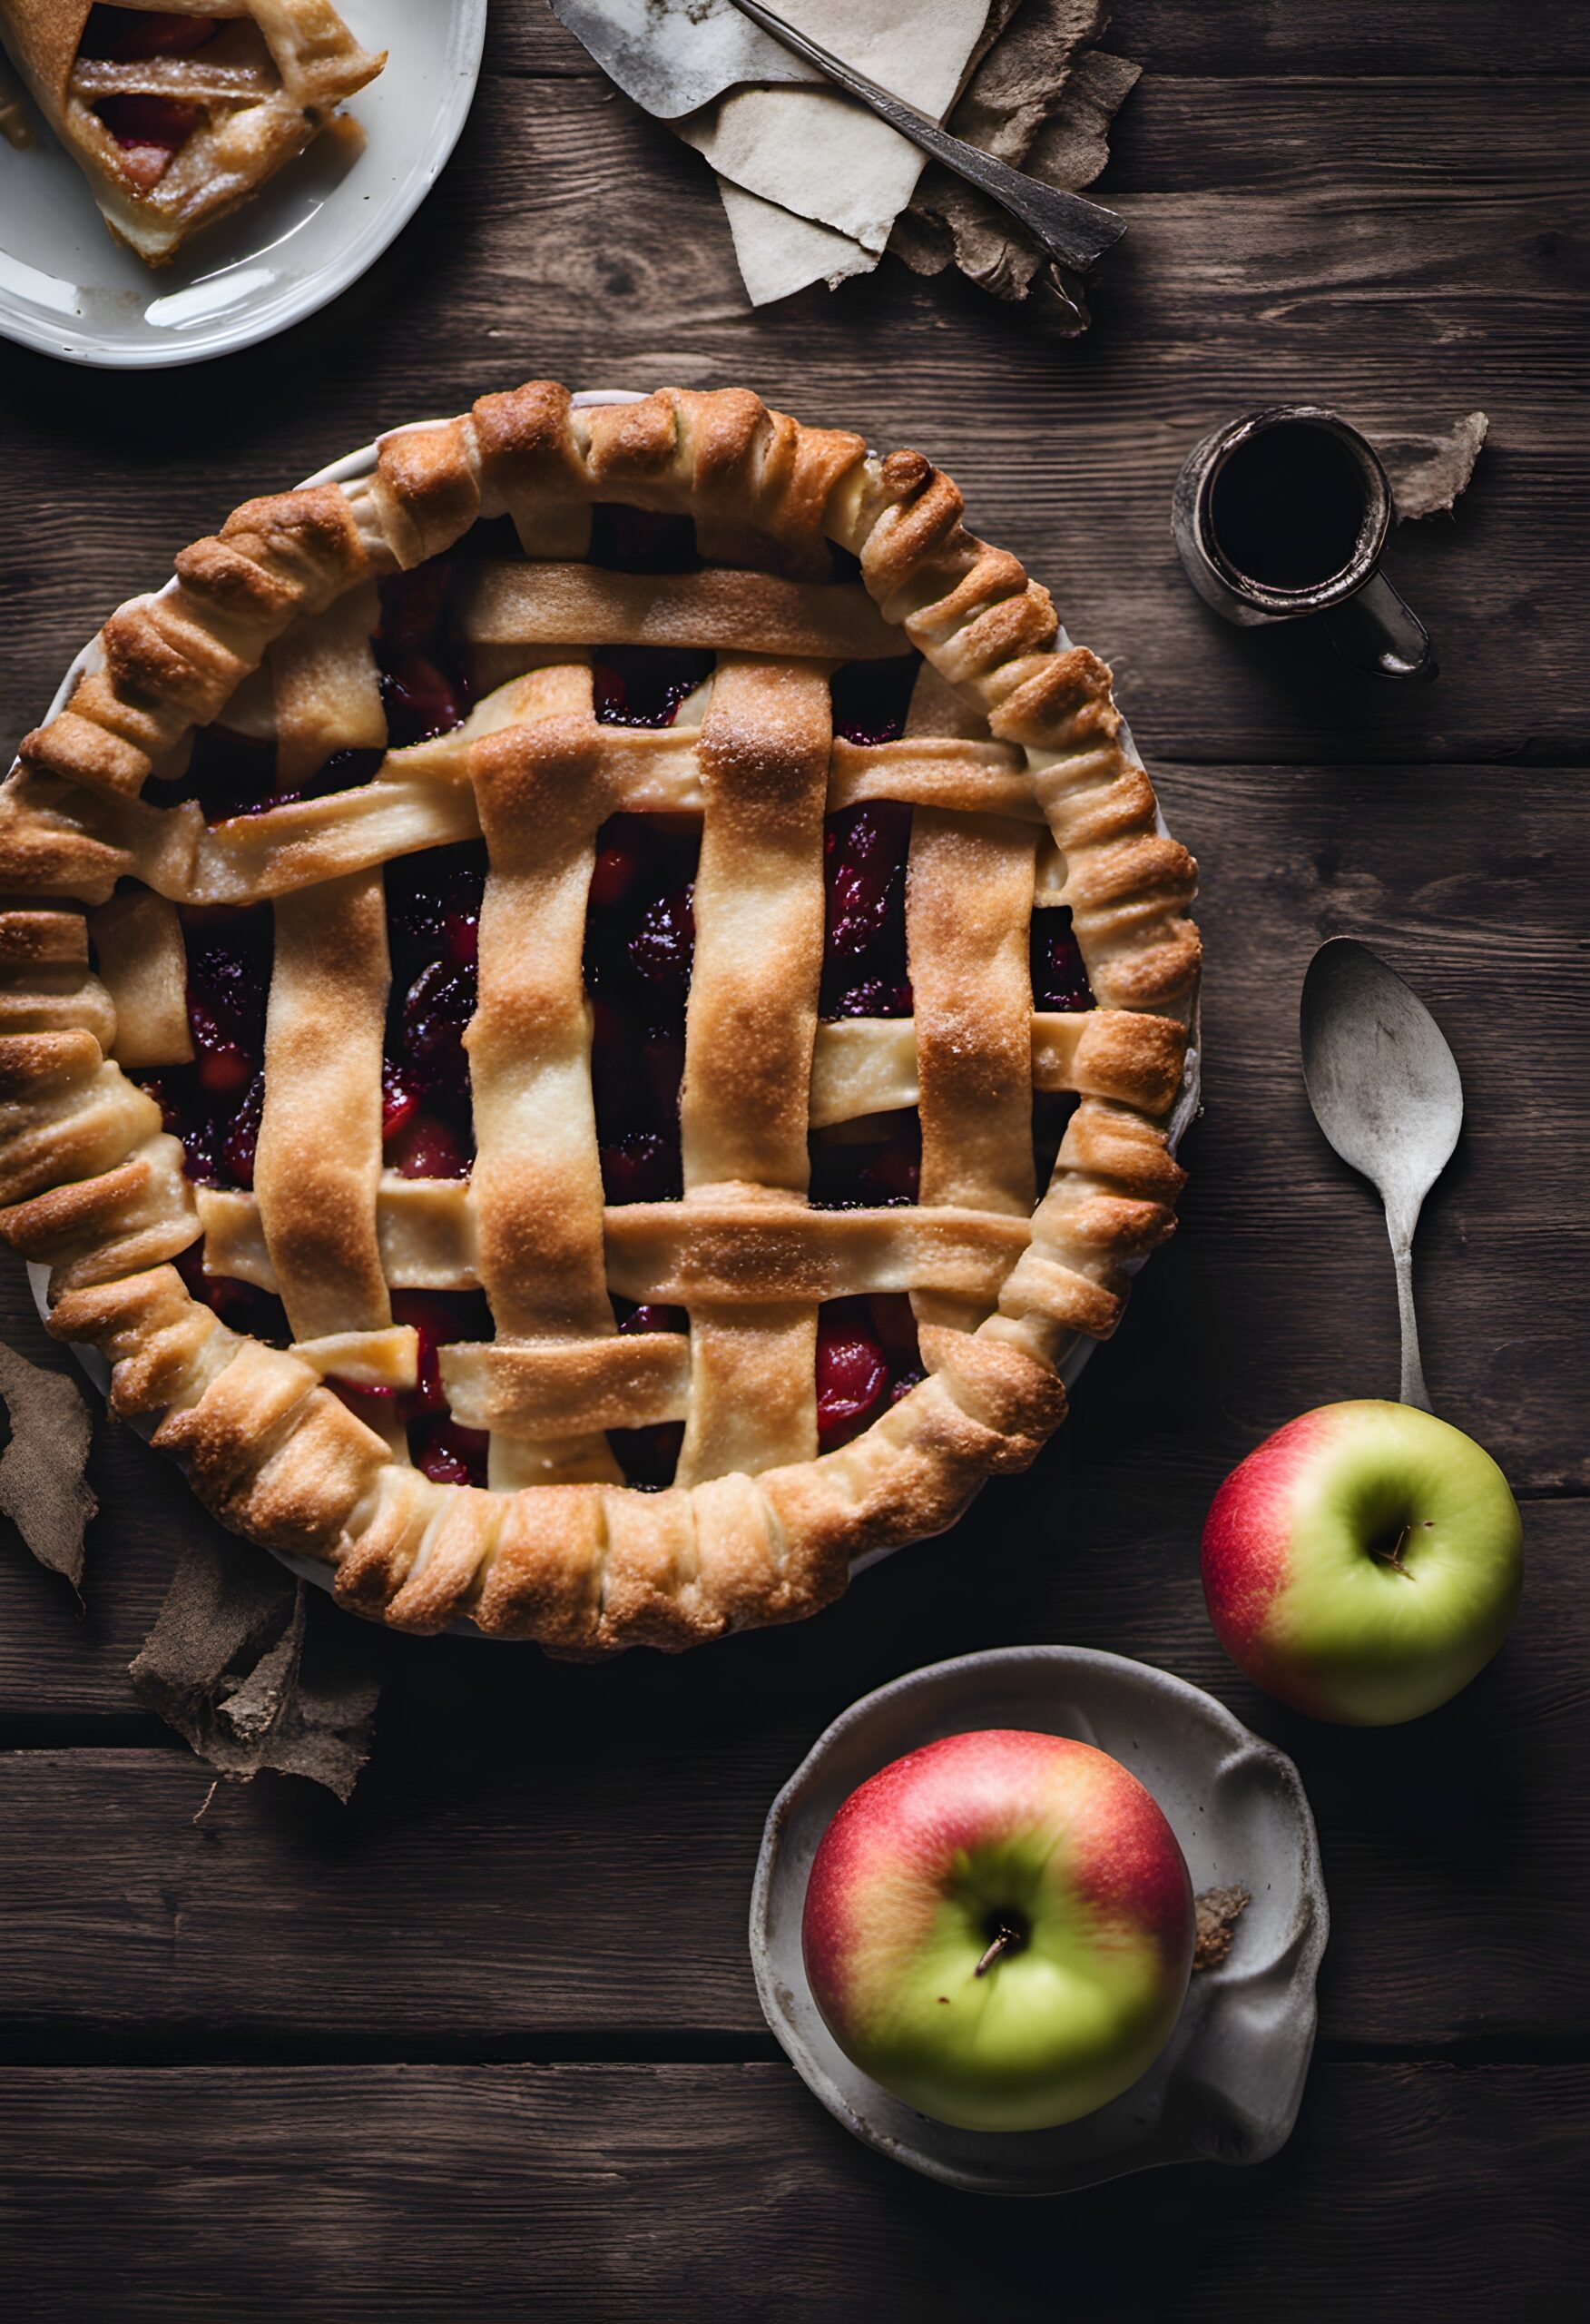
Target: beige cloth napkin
811, 181
814, 186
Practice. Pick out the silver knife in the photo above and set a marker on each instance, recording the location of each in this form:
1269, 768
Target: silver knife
665, 78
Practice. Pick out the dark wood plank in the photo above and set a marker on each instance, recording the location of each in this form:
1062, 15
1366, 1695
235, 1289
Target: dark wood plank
677, 2192
545, 1855
571, 235
1271, 38
1276, 1296
1265, 39
546, 1863
1407, 135
1473, 887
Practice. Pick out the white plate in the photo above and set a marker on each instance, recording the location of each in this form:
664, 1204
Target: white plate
67, 289
347, 470
1228, 2085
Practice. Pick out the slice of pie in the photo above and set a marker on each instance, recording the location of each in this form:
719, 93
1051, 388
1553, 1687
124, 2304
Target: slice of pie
626, 1020
176, 115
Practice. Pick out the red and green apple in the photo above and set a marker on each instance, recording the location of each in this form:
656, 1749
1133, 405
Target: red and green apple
1364, 1563
998, 1928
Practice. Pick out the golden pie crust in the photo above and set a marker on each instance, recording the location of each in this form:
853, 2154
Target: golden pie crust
1023, 799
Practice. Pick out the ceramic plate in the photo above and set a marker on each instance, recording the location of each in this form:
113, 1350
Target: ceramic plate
68, 289
1227, 2086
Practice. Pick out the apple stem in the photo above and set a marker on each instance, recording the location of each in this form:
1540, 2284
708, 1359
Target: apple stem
1004, 1937
1393, 1556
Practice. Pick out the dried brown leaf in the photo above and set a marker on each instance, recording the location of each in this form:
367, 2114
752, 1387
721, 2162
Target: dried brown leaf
255, 1669
43, 1488
1043, 98
1429, 469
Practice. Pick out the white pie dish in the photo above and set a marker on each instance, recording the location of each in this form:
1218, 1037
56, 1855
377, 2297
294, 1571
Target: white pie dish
68, 289
346, 470
1228, 2085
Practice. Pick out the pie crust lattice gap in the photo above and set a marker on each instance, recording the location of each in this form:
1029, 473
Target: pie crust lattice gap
1025, 818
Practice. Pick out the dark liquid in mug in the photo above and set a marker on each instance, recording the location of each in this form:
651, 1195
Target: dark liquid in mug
1287, 508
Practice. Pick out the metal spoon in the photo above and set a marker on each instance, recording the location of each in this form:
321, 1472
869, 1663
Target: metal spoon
1074, 231
1386, 1091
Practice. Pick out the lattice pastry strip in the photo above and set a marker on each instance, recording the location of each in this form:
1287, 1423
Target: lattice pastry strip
178, 114
318, 1164
1020, 804
537, 1180
745, 1110
78, 843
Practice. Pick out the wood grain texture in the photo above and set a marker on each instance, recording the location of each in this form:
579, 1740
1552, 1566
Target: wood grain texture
544, 1855
628, 2192
1189, 136
571, 236
295, 2063
1274, 40
1263, 39
1276, 1295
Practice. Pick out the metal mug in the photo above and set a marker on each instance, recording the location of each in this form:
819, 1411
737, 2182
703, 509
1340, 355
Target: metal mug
1367, 620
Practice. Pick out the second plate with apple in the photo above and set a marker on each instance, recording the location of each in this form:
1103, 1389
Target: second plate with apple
1227, 2085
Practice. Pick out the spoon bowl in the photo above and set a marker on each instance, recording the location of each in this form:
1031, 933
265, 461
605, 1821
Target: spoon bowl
1386, 1091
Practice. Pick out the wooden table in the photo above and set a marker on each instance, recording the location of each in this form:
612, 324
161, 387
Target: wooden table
486, 2043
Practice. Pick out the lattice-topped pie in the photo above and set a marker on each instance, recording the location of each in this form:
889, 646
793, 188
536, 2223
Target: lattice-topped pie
626, 1019
177, 113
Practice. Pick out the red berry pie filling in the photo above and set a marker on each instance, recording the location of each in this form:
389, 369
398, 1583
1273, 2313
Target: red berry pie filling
447, 1451
648, 1456
433, 943
867, 1358
151, 127
639, 949
1059, 975
424, 686
213, 1104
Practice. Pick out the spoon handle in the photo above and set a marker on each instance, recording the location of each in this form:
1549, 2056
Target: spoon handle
1073, 230
1413, 1389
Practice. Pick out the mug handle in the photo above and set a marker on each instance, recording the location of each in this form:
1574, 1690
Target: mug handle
1374, 630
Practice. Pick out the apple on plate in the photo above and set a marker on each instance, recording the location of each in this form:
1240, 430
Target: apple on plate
998, 1928
1364, 1563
